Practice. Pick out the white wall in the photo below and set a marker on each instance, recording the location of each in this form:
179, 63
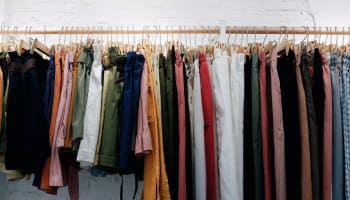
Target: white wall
54, 14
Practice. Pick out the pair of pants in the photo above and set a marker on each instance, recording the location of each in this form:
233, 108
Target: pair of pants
345, 108
266, 126
225, 148
49, 90
87, 148
68, 139
312, 123
155, 178
305, 159
169, 119
278, 129
130, 98
82, 89
199, 143
289, 96
237, 105
338, 140
27, 144
209, 133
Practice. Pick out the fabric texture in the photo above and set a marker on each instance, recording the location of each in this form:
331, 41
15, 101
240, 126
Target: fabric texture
86, 153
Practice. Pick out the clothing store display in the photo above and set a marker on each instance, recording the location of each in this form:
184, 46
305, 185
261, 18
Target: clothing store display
206, 122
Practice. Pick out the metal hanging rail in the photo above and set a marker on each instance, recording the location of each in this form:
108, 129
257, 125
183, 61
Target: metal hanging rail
181, 30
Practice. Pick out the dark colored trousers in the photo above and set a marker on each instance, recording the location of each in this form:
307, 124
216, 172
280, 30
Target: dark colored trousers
338, 142
289, 96
49, 90
130, 99
312, 122
169, 119
27, 138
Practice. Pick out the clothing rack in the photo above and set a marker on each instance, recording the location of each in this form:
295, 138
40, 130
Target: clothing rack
282, 30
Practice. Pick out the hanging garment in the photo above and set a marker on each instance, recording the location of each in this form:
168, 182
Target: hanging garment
29, 140
209, 134
248, 164
169, 120
306, 180
236, 70
155, 66
155, 177
312, 123
327, 131
256, 129
130, 100
110, 142
189, 138
338, 143
143, 142
68, 140
49, 90
278, 130
11, 175
55, 178
289, 96
182, 125
87, 149
224, 128
266, 127
58, 62
80, 97
345, 107
105, 79
199, 147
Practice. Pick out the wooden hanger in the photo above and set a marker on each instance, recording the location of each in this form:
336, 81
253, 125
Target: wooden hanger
40, 48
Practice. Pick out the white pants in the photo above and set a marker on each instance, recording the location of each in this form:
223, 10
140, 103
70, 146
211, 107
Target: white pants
224, 127
199, 149
87, 149
237, 105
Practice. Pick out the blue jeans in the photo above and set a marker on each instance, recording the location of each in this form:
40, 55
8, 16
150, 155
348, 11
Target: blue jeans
130, 99
338, 145
345, 109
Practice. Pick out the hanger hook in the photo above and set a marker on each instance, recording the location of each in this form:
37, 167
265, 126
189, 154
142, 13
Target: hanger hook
45, 34
330, 28
265, 35
254, 34
336, 40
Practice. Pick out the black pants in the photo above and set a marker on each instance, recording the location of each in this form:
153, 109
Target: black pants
289, 96
27, 137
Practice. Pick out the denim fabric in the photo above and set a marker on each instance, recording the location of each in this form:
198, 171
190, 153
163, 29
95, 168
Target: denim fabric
130, 99
49, 90
338, 145
345, 109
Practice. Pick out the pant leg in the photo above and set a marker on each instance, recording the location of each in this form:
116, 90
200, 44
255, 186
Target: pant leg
338, 143
345, 102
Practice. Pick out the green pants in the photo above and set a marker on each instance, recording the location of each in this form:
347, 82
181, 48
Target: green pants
81, 94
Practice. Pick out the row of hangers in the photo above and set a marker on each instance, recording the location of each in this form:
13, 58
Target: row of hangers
156, 45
